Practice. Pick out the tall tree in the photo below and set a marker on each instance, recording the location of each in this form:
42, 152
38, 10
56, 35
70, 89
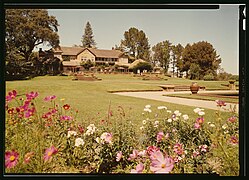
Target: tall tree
161, 54
202, 54
136, 44
27, 28
177, 55
87, 38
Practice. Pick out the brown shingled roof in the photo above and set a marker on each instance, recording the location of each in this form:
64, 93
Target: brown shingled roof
97, 52
71, 50
106, 53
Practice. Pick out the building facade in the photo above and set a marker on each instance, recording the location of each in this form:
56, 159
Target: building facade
73, 57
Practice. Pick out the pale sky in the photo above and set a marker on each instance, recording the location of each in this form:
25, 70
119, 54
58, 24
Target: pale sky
219, 27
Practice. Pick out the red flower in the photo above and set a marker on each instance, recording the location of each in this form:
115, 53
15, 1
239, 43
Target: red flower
49, 152
232, 119
234, 140
11, 158
11, 111
66, 106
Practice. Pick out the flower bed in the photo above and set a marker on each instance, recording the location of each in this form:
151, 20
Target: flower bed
49, 140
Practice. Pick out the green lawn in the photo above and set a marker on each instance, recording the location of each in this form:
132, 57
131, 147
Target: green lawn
92, 99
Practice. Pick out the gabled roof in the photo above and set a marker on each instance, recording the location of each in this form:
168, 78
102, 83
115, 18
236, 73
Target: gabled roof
132, 65
106, 53
74, 51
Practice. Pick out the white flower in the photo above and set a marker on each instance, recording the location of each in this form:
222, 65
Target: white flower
70, 133
201, 113
177, 113
169, 120
185, 152
156, 123
208, 122
90, 129
169, 111
78, 142
212, 125
161, 107
148, 106
147, 110
142, 153
141, 128
185, 117
224, 126
225, 132
144, 121
98, 140
196, 110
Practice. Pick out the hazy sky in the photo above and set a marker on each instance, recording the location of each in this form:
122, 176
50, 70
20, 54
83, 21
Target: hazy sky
218, 27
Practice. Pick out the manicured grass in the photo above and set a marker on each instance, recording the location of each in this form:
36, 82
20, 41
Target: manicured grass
203, 97
92, 99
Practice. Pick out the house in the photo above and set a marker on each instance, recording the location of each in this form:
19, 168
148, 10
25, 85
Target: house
73, 57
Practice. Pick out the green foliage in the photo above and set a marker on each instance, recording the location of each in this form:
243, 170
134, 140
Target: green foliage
202, 54
25, 29
177, 58
208, 77
234, 77
162, 54
142, 66
194, 71
87, 38
136, 43
87, 65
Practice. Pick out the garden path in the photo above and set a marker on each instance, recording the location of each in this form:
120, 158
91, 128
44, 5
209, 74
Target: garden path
158, 95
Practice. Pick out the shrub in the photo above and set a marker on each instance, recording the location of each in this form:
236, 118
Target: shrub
208, 77
142, 66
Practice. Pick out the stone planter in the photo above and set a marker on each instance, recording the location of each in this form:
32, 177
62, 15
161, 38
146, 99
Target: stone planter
232, 85
194, 87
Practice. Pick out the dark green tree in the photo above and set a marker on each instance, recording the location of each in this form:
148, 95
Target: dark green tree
136, 44
24, 30
87, 39
202, 54
161, 54
27, 28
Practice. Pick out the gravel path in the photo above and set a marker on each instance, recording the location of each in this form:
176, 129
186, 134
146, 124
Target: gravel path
183, 101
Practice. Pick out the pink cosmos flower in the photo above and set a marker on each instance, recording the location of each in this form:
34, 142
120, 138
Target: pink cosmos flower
152, 149
200, 120
197, 126
196, 153
11, 158
49, 98
32, 95
29, 112
159, 136
139, 168
178, 149
119, 156
11, 95
49, 152
220, 103
161, 164
234, 140
203, 148
133, 155
65, 118
107, 137
232, 119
